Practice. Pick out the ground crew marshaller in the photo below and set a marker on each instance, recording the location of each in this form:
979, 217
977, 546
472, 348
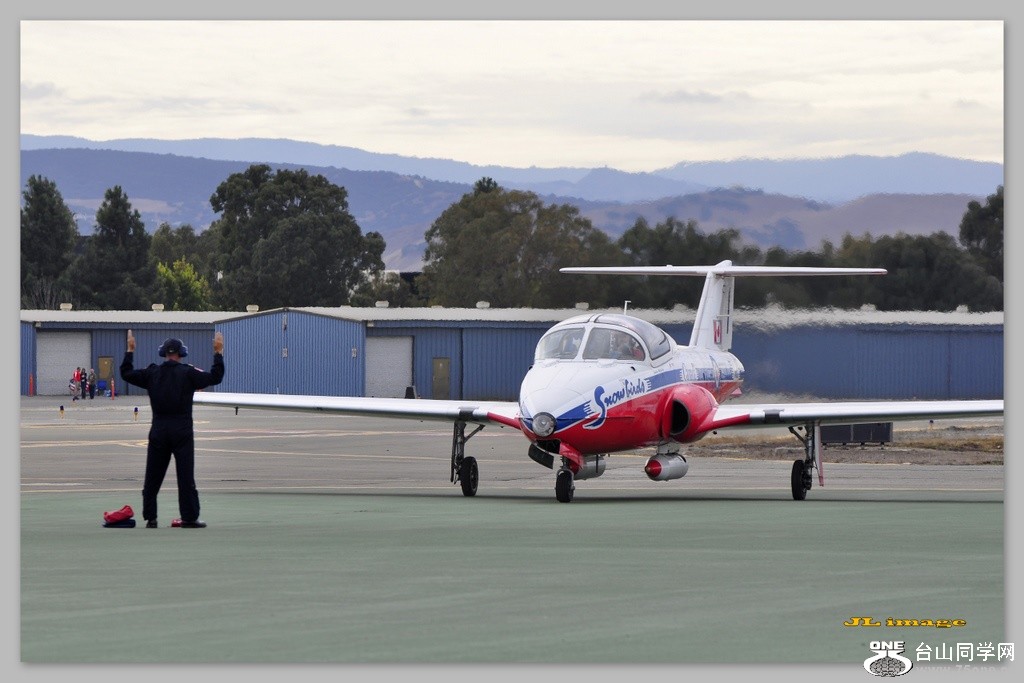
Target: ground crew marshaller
171, 386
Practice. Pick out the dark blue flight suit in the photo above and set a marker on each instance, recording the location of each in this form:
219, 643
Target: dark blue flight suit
171, 386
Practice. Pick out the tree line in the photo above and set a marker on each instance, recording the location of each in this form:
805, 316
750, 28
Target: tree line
287, 238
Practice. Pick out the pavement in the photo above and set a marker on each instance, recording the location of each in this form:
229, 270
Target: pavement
340, 541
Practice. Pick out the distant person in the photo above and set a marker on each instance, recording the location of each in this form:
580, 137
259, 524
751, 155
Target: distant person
171, 386
77, 379
92, 383
85, 382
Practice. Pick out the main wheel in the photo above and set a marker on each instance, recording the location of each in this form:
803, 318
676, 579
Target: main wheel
469, 476
798, 480
564, 486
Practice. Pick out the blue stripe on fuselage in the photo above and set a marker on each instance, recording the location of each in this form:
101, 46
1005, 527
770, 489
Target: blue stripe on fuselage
664, 379
586, 411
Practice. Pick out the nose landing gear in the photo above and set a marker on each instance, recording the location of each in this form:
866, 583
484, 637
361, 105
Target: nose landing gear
564, 486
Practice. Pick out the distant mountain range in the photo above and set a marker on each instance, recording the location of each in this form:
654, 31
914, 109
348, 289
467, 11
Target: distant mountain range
791, 203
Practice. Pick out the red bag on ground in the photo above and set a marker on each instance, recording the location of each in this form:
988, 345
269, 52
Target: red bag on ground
118, 515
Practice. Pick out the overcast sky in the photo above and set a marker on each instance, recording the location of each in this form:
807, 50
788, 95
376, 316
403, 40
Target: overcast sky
632, 95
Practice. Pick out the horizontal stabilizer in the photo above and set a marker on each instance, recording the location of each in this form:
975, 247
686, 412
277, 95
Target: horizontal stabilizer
724, 269
712, 328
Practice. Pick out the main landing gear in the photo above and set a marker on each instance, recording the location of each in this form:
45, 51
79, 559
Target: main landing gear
800, 478
464, 469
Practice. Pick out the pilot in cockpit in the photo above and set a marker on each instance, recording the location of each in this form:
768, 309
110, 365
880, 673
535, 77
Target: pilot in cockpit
626, 347
569, 344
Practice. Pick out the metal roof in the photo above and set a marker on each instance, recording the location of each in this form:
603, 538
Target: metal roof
128, 317
774, 316
763, 318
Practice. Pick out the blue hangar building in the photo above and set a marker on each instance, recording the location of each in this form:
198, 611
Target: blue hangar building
482, 353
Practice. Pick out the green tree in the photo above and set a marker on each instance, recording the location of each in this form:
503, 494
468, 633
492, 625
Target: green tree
48, 238
287, 239
180, 288
932, 274
677, 243
506, 247
170, 244
387, 285
115, 272
855, 291
981, 233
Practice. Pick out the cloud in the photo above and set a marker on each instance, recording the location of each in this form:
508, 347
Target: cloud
39, 91
693, 97
633, 95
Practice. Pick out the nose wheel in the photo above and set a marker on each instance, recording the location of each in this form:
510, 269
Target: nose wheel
564, 486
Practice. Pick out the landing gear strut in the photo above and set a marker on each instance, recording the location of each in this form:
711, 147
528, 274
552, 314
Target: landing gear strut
800, 478
464, 469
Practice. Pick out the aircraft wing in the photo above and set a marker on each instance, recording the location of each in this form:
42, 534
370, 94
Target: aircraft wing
479, 412
756, 415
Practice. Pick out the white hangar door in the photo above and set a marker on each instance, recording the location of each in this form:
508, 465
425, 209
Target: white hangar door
57, 356
388, 366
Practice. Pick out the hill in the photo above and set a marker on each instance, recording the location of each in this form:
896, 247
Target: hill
833, 179
176, 189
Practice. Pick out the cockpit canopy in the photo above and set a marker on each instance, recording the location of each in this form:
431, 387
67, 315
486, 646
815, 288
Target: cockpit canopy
606, 335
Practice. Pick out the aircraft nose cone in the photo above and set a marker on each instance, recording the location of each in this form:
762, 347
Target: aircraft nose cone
554, 402
549, 390
551, 376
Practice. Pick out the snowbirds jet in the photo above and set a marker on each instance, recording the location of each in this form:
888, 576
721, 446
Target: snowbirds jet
603, 383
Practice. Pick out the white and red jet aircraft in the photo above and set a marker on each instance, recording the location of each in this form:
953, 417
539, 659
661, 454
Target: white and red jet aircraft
603, 383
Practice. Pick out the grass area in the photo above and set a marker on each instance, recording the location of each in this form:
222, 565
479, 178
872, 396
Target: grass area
945, 446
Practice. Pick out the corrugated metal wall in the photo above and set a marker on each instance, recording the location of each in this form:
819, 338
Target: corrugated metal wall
875, 362
495, 360
488, 359
976, 363
293, 352
325, 355
428, 343
28, 358
111, 340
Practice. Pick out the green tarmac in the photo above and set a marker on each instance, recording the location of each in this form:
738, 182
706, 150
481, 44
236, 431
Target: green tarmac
433, 578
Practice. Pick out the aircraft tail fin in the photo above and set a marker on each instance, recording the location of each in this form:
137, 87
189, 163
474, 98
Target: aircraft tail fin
712, 328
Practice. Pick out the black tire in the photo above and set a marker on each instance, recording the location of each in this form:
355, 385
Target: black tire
469, 476
797, 480
563, 486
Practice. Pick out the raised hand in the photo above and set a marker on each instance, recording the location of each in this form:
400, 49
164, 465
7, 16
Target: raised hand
218, 342
131, 341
